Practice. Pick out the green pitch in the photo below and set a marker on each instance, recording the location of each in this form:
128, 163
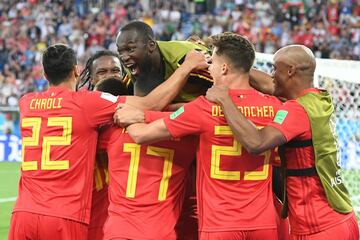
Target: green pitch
9, 177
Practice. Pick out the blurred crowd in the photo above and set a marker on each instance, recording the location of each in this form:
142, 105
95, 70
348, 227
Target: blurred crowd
330, 28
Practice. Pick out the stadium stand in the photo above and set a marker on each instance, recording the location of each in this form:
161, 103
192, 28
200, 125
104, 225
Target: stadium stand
330, 28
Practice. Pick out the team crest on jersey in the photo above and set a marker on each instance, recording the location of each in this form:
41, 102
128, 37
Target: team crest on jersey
280, 116
109, 97
177, 113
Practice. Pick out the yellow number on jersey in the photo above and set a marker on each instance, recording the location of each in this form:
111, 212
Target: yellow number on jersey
168, 155
32, 141
217, 151
234, 150
48, 141
64, 140
134, 150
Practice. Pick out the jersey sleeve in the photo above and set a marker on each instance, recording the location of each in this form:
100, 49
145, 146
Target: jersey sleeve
99, 107
104, 137
151, 116
186, 120
291, 120
108, 136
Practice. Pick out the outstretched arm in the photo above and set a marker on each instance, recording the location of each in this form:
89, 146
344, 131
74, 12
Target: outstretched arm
261, 81
161, 96
148, 133
254, 140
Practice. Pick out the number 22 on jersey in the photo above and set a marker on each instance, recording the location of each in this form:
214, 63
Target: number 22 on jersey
47, 142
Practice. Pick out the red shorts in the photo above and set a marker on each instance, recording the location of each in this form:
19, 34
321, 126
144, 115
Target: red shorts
268, 234
26, 225
348, 230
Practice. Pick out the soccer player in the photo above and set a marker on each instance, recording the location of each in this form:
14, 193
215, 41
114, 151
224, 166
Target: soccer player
59, 133
147, 185
233, 186
318, 202
103, 65
148, 62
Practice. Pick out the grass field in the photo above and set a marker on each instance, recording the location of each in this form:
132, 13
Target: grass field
9, 177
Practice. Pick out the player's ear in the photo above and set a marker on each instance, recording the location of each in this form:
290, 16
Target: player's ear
76, 71
291, 71
151, 45
224, 68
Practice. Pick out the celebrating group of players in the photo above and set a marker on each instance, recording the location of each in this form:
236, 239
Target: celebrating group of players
143, 183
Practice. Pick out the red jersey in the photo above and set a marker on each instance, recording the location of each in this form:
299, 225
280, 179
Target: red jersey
59, 134
233, 186
147, 185
100, 199
309, 211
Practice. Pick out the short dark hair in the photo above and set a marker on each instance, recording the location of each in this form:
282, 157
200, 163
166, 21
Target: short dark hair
236, 48
85, 75
114, 86
58, 62
145, 30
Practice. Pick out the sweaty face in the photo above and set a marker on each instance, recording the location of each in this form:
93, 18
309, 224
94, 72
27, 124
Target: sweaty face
133, 52
105, 67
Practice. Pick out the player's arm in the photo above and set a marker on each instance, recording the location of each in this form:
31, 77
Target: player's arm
161, 96
148, 133
261, 81
254, 140
128, 114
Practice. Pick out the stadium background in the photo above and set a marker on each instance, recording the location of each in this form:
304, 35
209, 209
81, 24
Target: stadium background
330, 28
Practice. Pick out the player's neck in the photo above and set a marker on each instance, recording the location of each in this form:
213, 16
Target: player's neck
298, 87
156, 62
239, 81
69, 84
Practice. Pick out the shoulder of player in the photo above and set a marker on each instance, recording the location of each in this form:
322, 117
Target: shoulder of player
94, 95
176, 50
292, 106
200, 104
27, 96
181, 44
110, 132
200, 101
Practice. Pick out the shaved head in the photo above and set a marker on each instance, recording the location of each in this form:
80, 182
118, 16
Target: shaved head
294, 68
299, 56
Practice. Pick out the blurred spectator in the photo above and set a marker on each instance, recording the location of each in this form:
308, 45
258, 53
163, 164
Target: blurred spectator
330, 28
7, 126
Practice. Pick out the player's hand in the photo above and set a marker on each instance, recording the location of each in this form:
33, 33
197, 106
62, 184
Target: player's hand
127, 114
217, 94
196, 60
